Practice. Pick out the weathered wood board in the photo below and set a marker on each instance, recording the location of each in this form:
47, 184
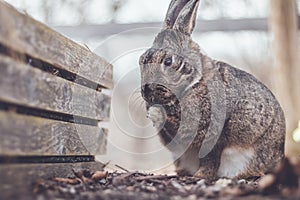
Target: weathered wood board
50, 104
25, 35
27, 135
16, 180
28, 86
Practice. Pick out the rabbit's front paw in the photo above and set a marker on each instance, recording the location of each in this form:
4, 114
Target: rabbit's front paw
156, 114
206, 173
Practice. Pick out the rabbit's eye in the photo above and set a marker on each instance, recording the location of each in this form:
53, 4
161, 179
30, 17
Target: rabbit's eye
168, 61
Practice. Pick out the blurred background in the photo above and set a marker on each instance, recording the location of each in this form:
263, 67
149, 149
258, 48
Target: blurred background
258, 36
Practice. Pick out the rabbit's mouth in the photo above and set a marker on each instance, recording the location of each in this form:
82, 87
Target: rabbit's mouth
157, 94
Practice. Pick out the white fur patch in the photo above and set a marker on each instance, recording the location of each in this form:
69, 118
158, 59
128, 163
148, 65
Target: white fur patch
156, 115
234, 161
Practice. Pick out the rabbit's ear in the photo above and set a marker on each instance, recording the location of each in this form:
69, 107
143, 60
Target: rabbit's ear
186, 19
174, 9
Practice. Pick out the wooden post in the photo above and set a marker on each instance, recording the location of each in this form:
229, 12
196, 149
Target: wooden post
283, 27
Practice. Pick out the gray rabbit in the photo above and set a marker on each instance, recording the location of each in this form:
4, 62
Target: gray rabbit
217, 120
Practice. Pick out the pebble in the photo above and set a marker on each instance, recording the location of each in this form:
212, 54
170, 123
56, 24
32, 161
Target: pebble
178, 186
191, 197
242, 182
223, 182
201, 182
176, 198
103, 181
151, 188
72, 190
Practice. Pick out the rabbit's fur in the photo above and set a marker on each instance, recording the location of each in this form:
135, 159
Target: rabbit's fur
217, 120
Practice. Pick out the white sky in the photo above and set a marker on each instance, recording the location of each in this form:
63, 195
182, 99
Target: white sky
99, 11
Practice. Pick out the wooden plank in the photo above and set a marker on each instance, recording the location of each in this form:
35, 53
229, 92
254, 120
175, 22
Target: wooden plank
25, 85
17, 180
87, 31
27, 135
25, 35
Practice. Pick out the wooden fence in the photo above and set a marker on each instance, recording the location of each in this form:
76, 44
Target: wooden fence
51, 102
86, 31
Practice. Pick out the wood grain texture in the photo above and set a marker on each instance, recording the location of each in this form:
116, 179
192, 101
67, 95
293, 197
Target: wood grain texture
86, 31
284, 26
25, 35
25, 85
18, 179
27, 135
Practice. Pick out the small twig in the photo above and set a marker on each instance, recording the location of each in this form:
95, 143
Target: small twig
122, 168
86, 46
192, 181
154, 177
105, 164
158, 181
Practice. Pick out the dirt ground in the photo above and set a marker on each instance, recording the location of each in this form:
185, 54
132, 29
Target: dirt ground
282, 183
